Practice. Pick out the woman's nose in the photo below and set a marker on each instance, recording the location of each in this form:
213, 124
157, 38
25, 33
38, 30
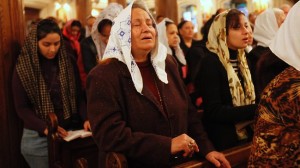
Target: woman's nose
145, 27
52, 48
246, 30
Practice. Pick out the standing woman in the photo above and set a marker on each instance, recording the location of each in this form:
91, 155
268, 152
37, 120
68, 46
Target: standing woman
93, 47
264, 66
136, 105
168, 36
186, 32
71, 35
224, 81
44, 81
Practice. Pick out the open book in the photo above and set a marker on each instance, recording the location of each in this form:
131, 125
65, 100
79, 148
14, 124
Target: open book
77, 134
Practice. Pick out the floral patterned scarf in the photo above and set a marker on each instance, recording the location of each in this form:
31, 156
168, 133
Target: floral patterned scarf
217, 44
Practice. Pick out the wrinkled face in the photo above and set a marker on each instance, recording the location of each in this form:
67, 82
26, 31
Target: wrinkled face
280, 18
187, 30
105, 33
75, 31
172, 34
238, 36
143, 33
49, 45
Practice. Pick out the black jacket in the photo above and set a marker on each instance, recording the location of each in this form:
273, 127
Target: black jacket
220, 115
89, 54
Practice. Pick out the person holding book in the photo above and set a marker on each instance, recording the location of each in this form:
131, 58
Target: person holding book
137, 103
44, 81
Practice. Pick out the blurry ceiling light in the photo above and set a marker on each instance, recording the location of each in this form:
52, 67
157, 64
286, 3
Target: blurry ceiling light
206, 6
94, 12
67, 7
57, 5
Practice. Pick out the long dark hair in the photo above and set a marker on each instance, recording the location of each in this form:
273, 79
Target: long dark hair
233, 19
102, 24
45, 27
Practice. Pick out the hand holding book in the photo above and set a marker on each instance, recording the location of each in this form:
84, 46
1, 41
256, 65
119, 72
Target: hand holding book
77, 134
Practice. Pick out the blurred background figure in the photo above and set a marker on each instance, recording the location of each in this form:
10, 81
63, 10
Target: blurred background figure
71, 35
286, 8
168, 36
260, 63
186, 34
90, 20
93, 47
159, 18
252, 17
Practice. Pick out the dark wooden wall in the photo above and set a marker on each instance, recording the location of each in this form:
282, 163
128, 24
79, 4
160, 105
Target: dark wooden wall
167, 8
11, 37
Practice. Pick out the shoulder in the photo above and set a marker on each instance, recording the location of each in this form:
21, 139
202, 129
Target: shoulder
109, 68
258, 51
171, 62
211, 58
86, 40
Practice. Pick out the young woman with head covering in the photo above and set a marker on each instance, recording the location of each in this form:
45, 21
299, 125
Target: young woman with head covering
92, 47
44, 81
224, 81
71, 34
136, 104
276, 141
168, 36
263, 65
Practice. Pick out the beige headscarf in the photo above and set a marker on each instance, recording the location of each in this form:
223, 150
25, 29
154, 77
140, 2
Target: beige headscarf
217, 44
286, 43
119, 46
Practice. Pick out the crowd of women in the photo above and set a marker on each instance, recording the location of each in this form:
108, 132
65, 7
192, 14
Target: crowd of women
155, 94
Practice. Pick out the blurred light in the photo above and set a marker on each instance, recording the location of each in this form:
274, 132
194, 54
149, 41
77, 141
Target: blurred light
261, 5
57, 6
67, 7
94, 12
206, 6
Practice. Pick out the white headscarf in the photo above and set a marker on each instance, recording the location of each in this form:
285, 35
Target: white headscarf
286, 44
265, 27
119, 46
163, 38
110, 12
